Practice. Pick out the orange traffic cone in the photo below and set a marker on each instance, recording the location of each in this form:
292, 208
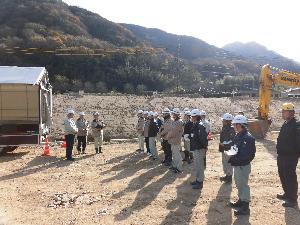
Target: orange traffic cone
64, 144
209, 136
46, 147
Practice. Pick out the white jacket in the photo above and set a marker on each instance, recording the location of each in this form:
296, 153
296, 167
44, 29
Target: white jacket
70, 126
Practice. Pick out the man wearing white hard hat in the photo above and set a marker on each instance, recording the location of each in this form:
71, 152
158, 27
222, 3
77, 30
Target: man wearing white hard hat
188, 124
152, 133
157, 119
146, 131
83, 126
70, 132
198, 144
163, 132
97, 126
288, 150
174, 138
226, 141
206, 124
140, 131
204, 121
241, 154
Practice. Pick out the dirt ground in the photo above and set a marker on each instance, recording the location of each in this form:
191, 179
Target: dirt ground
119, 112
121, 186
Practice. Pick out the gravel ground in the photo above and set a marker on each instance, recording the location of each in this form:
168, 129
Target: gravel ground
121, 186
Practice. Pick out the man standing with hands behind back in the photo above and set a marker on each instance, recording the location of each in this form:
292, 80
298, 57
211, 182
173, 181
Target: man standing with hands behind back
288, 150
70, 132
97, 128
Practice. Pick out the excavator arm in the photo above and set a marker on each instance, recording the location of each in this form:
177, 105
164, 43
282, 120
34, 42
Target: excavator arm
259, 127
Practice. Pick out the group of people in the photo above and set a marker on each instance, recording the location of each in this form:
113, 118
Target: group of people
80, 129
189, 131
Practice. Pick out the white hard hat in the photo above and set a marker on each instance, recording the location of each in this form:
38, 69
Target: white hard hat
187, 113
71, 111
227, 116
140, 112
240, 119
202, 113
81, 114
151, 113
95, 113
166, 111
195, 112
186, 109
176, 111
155, 114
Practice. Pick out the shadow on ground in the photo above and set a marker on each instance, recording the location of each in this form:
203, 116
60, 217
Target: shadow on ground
38, 164
292, 216
10, 156
148, 193
134, 161
218, 211
181, 208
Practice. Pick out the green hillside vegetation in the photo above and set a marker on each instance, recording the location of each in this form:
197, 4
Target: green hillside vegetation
103, 56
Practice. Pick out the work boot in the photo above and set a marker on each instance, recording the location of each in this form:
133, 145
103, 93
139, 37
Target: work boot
167, 164
290, 203
177, 170
236, 204
97, 150
244, 210
226, 179
223, 179
100, 149
198, 185
194, 182
281, 197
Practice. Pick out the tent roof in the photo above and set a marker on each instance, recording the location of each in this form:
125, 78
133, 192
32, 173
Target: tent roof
21, 75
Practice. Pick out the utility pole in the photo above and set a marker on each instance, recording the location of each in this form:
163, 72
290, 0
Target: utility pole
177, 64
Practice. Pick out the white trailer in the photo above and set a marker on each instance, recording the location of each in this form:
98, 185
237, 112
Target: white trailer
25, 106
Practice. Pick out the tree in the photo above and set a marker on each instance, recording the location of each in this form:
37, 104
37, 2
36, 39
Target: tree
61, 83
101, 87
128, 88
89, 86
141, 88
77, 85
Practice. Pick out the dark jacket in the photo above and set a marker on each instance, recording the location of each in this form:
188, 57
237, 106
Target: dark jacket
246, 149
159, 123
188, 127
153, 128
198, 137
288, 141
227, 134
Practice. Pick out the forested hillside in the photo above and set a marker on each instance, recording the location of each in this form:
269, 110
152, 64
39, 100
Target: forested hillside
83, 50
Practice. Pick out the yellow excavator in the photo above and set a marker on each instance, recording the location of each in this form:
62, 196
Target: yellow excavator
259, 126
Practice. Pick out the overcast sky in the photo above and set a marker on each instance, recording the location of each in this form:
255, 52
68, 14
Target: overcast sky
272, 23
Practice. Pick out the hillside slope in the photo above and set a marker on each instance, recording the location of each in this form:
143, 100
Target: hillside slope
261, 55
52, 23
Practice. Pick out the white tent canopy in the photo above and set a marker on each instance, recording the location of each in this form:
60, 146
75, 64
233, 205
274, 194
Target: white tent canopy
21, 75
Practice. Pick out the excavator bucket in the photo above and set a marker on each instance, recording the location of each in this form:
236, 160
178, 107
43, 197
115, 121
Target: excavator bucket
258, 127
